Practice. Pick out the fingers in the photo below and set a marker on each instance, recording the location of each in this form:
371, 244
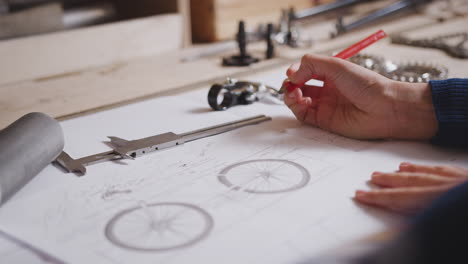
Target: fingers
313, 66
293, 97
299, 105
409, 179
412, 187
403, 200
449, 171
303, 101
293, 69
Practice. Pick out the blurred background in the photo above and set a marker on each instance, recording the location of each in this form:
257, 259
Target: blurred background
67, 57
205, 20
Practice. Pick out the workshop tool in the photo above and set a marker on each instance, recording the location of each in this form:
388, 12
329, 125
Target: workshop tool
289, 33
395, 8
345, 54
135, 148
27, 146
455, 44
419, 72
233, 92
243, 59
288, 30
324, 9
270, 51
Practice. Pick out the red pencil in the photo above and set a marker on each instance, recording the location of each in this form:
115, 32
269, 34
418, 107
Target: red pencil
345, 54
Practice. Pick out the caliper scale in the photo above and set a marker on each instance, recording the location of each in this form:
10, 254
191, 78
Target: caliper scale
131, 149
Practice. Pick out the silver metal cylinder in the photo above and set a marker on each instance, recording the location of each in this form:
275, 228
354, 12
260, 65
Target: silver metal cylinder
26, 147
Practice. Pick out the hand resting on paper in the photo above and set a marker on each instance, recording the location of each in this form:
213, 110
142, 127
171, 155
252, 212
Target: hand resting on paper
412, 187
359, 103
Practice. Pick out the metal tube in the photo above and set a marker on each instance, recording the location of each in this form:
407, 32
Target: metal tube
322, 9
26, 147
379, 14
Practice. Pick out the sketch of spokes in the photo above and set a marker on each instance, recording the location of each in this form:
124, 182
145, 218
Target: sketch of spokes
159, 227
264, 176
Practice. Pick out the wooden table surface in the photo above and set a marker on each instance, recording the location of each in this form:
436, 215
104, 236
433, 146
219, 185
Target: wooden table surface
75, 92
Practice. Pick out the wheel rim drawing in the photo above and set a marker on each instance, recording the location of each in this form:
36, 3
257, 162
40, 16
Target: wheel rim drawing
159, 227
264, 176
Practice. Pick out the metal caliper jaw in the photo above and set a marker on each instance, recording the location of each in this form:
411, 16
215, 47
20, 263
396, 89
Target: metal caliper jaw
69, 164
78, 165
123, 149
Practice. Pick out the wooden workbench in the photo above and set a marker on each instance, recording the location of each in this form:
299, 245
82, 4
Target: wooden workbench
48, 79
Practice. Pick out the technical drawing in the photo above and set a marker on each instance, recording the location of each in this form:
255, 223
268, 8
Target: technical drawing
159, 226
14, 250
111, 193
265, 176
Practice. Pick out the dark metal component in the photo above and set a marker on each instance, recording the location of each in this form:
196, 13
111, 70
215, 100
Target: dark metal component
241, 38
455, 44
400, 6
220, 98
292, 34
270, 51
233, 92
243, 59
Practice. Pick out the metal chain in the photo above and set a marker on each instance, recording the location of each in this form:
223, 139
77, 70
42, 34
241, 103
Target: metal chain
405, 72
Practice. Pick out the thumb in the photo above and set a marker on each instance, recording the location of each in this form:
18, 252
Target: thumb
314, 66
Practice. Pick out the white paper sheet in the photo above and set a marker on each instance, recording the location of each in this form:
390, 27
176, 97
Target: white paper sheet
277, 192
13, 250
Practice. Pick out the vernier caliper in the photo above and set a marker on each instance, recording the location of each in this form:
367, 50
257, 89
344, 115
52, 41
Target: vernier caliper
134, 148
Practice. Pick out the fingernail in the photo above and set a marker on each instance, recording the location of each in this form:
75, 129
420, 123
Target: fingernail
308, 101
376, 173
405, 164
292, 95
360, 194
294, 67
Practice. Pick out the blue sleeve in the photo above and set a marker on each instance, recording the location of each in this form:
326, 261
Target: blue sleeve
450, 99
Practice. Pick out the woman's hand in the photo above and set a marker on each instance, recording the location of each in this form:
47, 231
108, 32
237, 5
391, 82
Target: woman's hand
412, 187
359, 103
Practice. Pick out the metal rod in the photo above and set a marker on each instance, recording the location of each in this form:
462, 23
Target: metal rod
215, 130
322, 9
377, 15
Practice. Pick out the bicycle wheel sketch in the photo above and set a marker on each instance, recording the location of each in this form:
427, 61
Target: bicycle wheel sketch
159, 227
264, 176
